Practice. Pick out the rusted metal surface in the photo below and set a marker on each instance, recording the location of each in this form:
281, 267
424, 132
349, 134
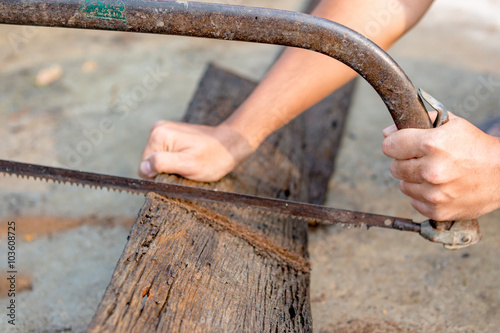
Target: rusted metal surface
239, 23
313, 213
442, 113
453, 235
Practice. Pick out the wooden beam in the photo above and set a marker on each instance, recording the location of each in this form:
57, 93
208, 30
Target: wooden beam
192, 267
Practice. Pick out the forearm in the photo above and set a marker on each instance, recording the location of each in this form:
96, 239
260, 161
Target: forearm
298, 80
301, 78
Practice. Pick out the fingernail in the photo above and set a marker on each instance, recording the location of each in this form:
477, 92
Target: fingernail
146, 169
388, 130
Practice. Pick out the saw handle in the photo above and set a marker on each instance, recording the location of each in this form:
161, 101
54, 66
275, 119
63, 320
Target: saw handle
452, 234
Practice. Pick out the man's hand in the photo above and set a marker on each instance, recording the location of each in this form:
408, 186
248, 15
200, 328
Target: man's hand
201, 153
451, 172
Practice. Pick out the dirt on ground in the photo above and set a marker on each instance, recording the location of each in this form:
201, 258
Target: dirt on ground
77, 99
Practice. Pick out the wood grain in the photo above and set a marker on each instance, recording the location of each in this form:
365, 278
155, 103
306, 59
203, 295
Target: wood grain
194, 267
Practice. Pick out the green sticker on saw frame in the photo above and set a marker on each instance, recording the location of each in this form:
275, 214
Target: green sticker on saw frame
104, 11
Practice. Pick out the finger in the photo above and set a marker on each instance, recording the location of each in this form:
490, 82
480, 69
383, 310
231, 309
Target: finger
452, 116
145, 170
159, 141
405, 144
392, 129
407, 170
163, 162
431, 195
436, 213
423, 208
389, 130
413, 190
416, 193
159, 123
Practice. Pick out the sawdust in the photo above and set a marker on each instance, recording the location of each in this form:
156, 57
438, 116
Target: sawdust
262, 244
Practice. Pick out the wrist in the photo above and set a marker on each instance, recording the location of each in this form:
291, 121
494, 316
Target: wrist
234, 142
251, 126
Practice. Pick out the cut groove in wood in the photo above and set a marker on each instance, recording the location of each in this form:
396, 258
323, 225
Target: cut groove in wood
199, 267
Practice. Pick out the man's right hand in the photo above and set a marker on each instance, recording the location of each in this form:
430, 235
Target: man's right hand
201, 153
451, 172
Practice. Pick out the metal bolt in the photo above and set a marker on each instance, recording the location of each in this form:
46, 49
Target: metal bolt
465, 239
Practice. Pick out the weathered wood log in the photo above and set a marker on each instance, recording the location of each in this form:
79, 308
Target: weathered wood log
192, 267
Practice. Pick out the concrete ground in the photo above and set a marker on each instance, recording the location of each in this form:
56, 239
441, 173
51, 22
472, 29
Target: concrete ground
70, 238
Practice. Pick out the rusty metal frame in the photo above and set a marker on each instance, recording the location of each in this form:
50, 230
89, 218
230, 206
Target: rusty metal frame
239, 23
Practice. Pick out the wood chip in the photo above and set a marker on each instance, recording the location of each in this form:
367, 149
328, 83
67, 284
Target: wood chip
89, 66
48, 75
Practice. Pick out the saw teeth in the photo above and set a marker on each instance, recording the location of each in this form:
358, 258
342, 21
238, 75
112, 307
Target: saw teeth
313, 221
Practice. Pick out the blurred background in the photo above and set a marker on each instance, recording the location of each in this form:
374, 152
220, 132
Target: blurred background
77, 99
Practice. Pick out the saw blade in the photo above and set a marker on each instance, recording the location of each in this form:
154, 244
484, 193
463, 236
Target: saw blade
278, 207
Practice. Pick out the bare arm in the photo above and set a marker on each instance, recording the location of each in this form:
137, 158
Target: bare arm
301, 78
297, 81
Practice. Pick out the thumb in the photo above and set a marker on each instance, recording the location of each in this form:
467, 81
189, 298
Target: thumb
161, 162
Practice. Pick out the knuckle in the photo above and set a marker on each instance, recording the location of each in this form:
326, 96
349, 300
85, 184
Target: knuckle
158, 123
434, 197
434, 174
159, 132
434, 141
